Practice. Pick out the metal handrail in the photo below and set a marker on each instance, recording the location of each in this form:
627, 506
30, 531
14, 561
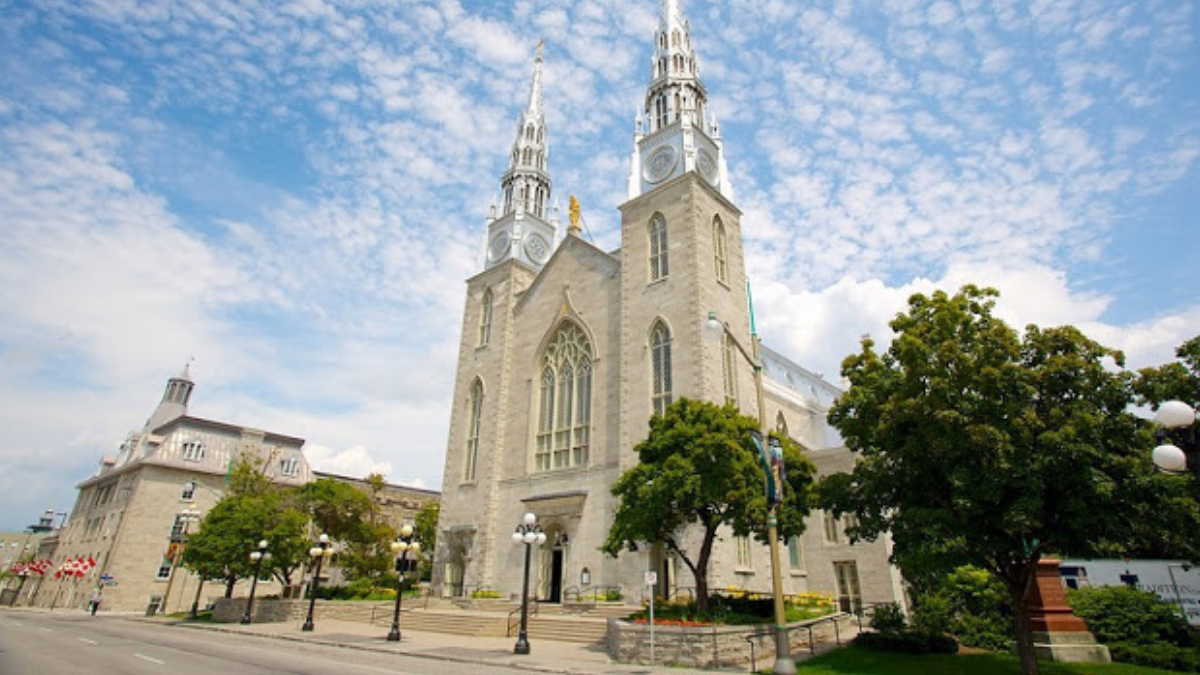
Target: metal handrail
508, 629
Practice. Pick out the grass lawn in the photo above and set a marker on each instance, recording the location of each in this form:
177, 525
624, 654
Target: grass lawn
859, 661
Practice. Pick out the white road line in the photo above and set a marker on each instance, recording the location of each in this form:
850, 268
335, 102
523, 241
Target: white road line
90, 642
150, 659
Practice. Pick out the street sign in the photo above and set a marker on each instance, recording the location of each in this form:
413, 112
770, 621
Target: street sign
651, 578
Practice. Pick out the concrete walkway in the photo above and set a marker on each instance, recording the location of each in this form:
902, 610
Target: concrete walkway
545, 656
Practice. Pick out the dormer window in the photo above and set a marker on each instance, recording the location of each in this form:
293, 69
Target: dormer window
193, 450
290, 466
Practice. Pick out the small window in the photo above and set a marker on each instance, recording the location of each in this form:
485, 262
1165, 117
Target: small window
831, 527
795, 553
781, 427
743, 553
720, 261
485, 319
848, 589
189, 490
658, 248
164, 569
290, 466
729, 368
193, 451
476, 412
660, 358
849, 520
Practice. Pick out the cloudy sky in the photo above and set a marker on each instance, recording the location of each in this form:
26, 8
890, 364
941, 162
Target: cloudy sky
293, 192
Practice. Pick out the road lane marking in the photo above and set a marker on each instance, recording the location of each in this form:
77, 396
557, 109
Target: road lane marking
90, 642
150, 659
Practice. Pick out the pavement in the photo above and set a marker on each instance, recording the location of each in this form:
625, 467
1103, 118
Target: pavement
545, 656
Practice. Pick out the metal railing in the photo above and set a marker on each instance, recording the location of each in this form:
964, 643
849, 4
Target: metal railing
809, 626
514, 617
592, 594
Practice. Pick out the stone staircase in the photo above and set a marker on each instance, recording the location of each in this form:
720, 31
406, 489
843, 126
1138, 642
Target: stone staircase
587, 624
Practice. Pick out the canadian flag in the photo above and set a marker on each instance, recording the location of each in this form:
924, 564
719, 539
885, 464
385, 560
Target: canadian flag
84, 565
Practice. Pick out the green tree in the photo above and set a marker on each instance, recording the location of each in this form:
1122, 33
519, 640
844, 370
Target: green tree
699, 466
254, 508
425, 529
339, 510
1178, 380
979, 447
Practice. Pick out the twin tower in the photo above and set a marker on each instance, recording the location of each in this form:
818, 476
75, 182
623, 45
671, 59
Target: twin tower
568, 350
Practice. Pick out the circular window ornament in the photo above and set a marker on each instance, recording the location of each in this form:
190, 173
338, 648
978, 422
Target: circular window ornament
660, 164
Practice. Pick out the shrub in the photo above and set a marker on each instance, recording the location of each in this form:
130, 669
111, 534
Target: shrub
934, 615
1161, 655
908, 642
888, 618
485, 593
1124, 614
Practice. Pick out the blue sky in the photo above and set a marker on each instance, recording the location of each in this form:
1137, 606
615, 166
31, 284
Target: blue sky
293, 192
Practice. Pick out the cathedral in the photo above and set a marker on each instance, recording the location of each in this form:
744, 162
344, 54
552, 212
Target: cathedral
567, 350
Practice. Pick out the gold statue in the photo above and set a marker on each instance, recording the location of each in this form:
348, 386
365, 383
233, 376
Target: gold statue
574, 212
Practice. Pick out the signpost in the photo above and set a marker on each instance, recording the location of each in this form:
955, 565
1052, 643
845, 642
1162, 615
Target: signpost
651, 582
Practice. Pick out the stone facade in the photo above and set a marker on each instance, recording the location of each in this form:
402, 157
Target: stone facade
680, 261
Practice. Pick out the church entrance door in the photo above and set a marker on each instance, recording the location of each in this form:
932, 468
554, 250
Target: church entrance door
556, 576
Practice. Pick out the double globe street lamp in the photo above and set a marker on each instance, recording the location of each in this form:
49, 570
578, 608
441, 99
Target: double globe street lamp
321, 552
404, 543
527, 533
1176, 417
257, 557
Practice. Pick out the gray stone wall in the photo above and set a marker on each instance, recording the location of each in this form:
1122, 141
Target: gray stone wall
717, 647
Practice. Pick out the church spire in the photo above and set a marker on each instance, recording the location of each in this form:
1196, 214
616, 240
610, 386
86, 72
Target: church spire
524, 226
526, 184
675, 99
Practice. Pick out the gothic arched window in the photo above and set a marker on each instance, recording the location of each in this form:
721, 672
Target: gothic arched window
658, 247
565, 402
729, 368
781, 427
473, 424
660, 362
485, 319
720, 261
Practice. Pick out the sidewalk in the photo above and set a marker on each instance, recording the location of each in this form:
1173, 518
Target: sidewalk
545, 656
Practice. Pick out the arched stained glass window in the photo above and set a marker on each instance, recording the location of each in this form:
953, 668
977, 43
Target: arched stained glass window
658, 247
660, 367
565, 402
476, 413
729, 368
781, 426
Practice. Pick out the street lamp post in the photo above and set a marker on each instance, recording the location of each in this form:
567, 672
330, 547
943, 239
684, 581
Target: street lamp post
1176, 417
258, 557
527, 533
186, 517
784, 665
319, 553
404, 543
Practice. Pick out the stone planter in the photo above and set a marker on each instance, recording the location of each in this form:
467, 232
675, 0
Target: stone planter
230, 610
712, 647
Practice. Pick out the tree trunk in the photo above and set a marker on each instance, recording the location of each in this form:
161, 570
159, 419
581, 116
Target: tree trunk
701, 569
229, 583
1018, 589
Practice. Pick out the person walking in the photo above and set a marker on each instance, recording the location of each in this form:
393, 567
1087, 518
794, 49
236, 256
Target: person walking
95, 603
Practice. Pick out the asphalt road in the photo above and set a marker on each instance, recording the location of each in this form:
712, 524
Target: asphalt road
78, 644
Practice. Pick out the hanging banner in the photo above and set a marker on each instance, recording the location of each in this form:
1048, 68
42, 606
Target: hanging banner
767, 462
775, 495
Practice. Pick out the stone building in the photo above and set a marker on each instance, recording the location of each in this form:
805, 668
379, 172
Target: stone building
567, 350
133, 515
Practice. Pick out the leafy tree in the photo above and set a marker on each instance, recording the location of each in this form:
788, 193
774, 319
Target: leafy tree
699, 466
425, 529
979, 447
1178, 380
254, 509
339, 510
